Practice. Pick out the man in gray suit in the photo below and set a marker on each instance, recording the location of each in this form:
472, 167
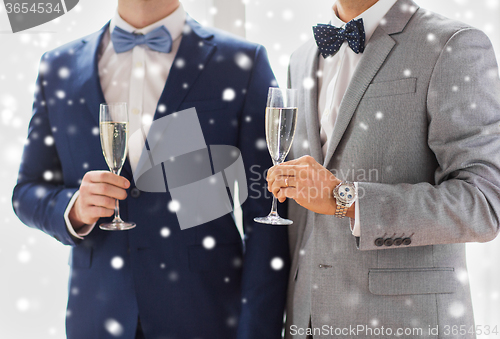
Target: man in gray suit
401, 107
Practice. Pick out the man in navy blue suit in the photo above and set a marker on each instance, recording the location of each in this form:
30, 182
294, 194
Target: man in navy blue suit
154, 281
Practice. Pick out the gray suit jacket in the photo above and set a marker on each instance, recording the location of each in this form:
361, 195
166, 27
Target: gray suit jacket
419, 129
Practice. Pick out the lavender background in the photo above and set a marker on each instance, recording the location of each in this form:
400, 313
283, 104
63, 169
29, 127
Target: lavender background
33, 266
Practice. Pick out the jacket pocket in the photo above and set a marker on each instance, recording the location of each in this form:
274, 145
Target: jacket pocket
80, 257
405, 281
394, 87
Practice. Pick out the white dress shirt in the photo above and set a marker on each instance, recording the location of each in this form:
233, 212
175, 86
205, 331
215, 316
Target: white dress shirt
136, 77
335, 73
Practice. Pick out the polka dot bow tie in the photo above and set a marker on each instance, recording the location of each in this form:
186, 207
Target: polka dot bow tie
329, 38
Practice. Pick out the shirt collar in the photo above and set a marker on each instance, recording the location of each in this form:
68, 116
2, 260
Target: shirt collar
174, 23
371, 17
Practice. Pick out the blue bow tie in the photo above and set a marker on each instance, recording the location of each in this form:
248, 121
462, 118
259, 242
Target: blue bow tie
158, 39
329, 38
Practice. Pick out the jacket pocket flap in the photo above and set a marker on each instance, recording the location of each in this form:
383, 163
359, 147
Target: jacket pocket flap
394, 87
412, 281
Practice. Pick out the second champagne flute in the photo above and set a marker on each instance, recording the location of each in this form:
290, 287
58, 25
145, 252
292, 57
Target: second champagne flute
113, 126
281, 119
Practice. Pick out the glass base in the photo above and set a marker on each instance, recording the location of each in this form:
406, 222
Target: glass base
273, 220
117, 226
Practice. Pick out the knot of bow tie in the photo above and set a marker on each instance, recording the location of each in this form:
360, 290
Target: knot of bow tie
329, 38
158, 39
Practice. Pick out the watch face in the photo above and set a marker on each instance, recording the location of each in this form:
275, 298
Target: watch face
345, 192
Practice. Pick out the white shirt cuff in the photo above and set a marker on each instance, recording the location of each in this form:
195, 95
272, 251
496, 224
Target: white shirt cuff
356, 228
84, 230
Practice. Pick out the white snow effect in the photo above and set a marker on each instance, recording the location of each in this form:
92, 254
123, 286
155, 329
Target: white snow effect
374, 322
117, 262
467, 78
238, 23
228, 94
212, 10
495, 295
284, 60
407, 72
40, 192
60, 94
49, 140
185, 85
43, 68
493, 4
308, 83
138, 72
462, 276
473, 105
243, 61
431, 37
95, 130
212, 180
174, 206
64, 72
162, 265
379, 115
363, 126
232, 321
244, 300
23, 304
48, 175
208, 242
226, 280
287, 14
383, 22
302, 252
173, 276
237, 262
456, 309
454, 88
165, 232
24, 256
248, 118
75, 291
113, 327
85, 165
261, 144
180, 63
277, 263
147, 119
162, 108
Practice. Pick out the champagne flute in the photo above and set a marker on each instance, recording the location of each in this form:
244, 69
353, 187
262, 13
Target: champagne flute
281, 119
113, 126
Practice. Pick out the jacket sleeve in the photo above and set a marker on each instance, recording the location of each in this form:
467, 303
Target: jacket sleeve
40, 197
266, 258
463, 108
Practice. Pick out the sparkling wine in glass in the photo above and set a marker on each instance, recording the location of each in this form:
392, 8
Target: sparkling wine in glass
281, 119
113, 126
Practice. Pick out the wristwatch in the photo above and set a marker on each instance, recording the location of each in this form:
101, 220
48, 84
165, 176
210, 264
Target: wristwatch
345, 194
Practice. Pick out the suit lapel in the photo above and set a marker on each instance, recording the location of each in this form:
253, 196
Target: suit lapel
376, 51
89, 81
195, 49
311, 105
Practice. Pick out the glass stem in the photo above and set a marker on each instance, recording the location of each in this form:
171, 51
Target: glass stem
117, 202
274, 208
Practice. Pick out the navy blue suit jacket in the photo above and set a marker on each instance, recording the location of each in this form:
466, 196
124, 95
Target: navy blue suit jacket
178, 288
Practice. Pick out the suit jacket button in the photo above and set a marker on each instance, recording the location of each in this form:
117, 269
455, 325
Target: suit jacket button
406, 241
398, 242
379, 242
388, 242
135, 192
